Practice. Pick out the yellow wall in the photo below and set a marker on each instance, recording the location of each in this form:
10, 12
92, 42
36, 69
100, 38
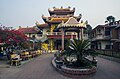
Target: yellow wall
45, 46
51, 40
52, 27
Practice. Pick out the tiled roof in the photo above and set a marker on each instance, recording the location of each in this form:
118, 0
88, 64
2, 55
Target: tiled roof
58, 19
43, 25
27, 30
72, 22
99, 26
62, 10
53, 19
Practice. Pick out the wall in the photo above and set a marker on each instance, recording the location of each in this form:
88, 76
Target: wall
104, 43
114, 33
45, 30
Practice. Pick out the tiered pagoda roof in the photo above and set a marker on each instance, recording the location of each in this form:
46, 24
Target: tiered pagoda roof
61, 11
57, 15
59, 18
43, 25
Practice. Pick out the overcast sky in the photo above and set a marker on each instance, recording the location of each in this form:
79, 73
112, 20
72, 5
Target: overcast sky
26, 12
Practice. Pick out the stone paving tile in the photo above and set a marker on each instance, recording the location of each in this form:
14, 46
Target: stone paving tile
41, 68
110, 58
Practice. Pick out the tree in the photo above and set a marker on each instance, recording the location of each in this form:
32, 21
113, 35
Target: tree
110, 19
77, 51
93, 53
79, 48
12, 37
89, 31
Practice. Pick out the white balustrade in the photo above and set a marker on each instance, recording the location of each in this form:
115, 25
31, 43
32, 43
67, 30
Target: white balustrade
39, 36
60, 33
54, 33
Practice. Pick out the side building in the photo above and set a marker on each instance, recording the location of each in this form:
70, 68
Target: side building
32, 34
106, 37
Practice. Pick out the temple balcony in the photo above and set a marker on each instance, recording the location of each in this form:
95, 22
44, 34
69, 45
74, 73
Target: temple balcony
58, 35
40, 36
53, 33
68, 35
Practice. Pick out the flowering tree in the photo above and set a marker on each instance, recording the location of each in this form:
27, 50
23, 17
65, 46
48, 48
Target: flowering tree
12, 37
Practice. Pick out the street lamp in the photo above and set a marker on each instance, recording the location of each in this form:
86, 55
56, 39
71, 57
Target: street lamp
33, 43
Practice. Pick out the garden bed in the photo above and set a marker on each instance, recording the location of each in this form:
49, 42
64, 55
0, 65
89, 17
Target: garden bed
73, 71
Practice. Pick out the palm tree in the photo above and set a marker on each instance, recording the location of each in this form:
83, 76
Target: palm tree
92, 53
79, 48
89, 31
110, 19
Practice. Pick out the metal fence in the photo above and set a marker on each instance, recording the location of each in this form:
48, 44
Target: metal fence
109, 52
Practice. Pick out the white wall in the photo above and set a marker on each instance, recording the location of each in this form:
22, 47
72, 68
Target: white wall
102, 31
104, 43
45, 30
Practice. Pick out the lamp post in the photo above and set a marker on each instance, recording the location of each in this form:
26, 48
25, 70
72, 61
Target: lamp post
62, 39
33, 43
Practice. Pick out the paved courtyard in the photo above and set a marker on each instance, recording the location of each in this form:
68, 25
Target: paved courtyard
41, 68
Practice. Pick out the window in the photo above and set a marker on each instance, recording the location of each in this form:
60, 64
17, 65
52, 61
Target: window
99, 30
119, 34
107, 31
119, 46
108, 47
33, 36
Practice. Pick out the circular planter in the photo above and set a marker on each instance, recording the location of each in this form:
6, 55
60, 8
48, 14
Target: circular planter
58, 63
71, 72
94, 62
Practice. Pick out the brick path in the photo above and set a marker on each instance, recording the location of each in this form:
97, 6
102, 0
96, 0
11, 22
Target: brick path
41, 68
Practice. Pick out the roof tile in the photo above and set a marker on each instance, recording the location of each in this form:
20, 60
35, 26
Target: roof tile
27, 30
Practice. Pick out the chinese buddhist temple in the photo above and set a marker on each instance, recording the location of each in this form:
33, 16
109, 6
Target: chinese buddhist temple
60, 26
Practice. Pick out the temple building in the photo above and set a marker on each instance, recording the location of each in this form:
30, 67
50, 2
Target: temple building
60, 26
30, 32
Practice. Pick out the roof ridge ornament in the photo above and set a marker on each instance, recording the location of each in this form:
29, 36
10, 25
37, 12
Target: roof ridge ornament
74, 9
54, 7
80, 15
37, 23
62, 22
81, 21
86, 22
61, 7
69, 7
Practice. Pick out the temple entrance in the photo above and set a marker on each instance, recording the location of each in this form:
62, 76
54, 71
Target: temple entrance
58, 45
